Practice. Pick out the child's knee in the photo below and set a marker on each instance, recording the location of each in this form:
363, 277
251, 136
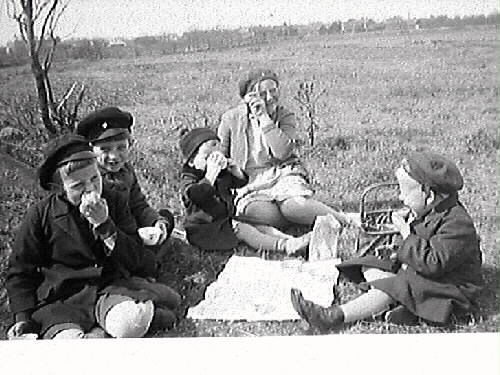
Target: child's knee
71, 333
64, 331
129, 319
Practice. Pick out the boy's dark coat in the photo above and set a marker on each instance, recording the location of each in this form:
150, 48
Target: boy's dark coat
125, 182
58, 267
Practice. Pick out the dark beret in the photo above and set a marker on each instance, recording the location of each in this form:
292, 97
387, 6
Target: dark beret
59, 151
435, 171
256, 76
191, 140
109, 123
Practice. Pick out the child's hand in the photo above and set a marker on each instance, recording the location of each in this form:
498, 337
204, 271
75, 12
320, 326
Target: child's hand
21, 328
216, 162
94, 208
400, 223
162, 225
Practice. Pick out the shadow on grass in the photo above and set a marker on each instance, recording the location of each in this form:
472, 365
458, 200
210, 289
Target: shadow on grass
488, 298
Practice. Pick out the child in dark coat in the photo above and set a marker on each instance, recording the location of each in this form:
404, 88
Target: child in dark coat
109, 130
436, 270
73, 268
207, 182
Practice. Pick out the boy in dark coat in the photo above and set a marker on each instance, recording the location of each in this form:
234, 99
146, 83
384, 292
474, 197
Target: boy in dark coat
72, 271
108, 130
208, 178
436, 270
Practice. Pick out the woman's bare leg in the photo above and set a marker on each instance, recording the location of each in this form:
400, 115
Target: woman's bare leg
266, 213
263, 241
301, 210
272, 231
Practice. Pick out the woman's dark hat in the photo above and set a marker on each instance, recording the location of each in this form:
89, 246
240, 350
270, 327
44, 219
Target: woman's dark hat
62, 150
256, 76
191, 140
107, 124
435, 171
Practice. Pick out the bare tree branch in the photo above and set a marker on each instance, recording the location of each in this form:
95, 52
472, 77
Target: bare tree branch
17, 15
49, 56
65, 97
46, 21
44, 15
50, 94
58, 14
79, 101
39, 7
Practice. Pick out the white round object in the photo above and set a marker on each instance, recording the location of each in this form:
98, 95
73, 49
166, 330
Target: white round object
150, 235
129, 319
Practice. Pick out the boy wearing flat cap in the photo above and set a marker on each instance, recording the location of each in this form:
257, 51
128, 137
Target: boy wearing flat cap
436, 270
108, 130
74, 259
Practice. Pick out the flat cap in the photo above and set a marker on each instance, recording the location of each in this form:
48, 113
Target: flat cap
59, 151
110, 123
255, 76
191, 140
435, 171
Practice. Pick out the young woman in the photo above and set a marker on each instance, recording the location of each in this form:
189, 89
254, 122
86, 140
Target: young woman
259, 136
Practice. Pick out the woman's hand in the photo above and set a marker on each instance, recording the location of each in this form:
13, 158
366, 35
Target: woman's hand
234, 169
256, 104
94, 209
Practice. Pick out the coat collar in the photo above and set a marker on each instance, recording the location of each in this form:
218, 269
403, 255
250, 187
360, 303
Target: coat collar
61, 206
198, 173
441, 205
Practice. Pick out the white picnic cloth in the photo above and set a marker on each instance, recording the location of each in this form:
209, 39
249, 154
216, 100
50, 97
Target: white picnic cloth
254, 289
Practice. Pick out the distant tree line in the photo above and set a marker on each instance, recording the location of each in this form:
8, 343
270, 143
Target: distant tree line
404, 25
15, 53
193, 41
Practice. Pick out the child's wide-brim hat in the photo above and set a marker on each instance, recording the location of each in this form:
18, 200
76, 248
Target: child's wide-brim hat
255, 76
107, 124
435, 171
191, 140
62, 150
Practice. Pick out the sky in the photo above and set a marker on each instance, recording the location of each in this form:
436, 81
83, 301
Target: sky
132, 18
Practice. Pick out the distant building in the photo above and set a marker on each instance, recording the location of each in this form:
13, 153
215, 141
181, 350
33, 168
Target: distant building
402, 25
117, 43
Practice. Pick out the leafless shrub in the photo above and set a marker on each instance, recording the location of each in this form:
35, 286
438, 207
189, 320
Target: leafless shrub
307, 95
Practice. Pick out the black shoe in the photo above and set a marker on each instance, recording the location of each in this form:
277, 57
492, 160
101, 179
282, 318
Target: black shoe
400, 315
322, 318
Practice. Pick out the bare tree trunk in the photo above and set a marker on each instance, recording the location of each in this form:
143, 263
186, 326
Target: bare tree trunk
38, 71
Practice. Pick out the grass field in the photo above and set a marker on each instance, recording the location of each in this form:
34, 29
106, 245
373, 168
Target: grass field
385, 95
